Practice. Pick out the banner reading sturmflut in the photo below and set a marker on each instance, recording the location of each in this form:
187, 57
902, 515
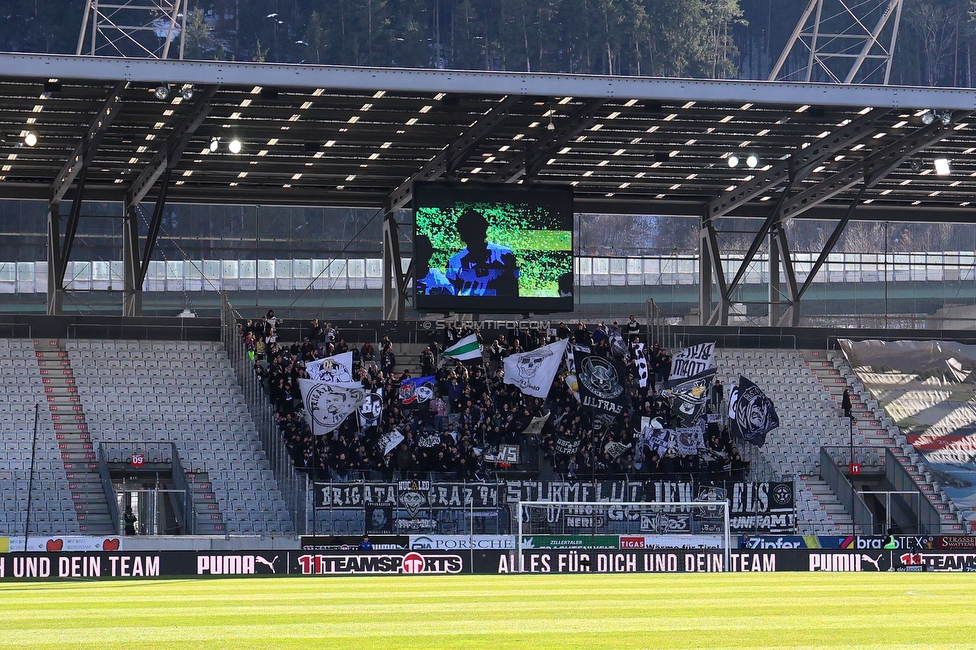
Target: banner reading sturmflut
692, 361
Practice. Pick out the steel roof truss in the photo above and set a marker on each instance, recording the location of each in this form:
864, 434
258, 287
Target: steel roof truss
528, 163
446, 162
85, 150
872, 169
799, 165
169, 154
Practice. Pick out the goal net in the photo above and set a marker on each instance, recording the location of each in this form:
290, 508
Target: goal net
623, 525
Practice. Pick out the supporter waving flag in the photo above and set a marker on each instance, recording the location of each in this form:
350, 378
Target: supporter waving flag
467, 349
751, 414
332, 369
327, 404
533, 372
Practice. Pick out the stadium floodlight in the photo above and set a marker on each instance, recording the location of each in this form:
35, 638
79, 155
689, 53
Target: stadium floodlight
235, 146
945, 117
752, 160
162, 92
928, 117
214, 143
187, 92
941, 166
30, 139
733, 160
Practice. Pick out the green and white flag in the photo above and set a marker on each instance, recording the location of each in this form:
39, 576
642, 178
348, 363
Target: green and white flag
466, 349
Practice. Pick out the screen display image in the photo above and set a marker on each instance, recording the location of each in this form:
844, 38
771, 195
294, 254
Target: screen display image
493, 248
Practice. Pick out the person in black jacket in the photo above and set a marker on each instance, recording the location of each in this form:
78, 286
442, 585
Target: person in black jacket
846, 405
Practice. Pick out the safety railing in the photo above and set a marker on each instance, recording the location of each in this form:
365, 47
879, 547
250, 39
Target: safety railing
898, 478
291, 483
830, 472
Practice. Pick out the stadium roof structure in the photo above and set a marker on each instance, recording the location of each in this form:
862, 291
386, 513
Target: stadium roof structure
358, 137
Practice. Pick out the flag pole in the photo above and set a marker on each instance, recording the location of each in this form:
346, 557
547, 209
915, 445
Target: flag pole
30, 475
315, 462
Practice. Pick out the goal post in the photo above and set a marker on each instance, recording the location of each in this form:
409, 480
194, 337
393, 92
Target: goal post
608, 525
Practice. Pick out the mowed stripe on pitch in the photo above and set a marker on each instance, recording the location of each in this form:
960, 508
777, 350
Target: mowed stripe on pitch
592, 611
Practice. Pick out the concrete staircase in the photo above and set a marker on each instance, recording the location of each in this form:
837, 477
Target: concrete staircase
73, 438
208, 518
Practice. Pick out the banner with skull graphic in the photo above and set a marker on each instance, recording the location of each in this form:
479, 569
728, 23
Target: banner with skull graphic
601, 383
327, 404
533, 372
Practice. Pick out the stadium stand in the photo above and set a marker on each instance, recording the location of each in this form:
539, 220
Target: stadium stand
185, 393
51, 506
129, 391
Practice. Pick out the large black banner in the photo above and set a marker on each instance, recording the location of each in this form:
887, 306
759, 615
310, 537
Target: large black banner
469, 495
601, 383
766, 507
163, 564
160, 564
689, 561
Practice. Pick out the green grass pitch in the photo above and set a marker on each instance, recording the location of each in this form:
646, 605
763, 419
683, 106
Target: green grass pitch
784, 610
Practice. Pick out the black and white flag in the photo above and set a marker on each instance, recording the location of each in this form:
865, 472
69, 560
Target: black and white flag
656, 438
689, 396
692, 361
327, 404
568, 442
372, 409
535, 425
751, 414
641, 361
337, 368
389, 441
601, 383
428, 439
618, 346
532, 372
614, 449
603, 421
571, 351
690, 439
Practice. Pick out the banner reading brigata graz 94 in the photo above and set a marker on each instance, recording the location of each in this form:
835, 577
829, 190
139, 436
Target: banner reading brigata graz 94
755, 507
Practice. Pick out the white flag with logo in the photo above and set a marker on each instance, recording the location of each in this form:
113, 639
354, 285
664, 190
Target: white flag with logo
327, 404
337, 368
389, 441
533, 372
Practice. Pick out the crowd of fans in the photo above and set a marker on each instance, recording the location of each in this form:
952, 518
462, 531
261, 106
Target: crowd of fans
473, 411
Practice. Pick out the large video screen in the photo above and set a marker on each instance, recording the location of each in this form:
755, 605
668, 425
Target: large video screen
492, 248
